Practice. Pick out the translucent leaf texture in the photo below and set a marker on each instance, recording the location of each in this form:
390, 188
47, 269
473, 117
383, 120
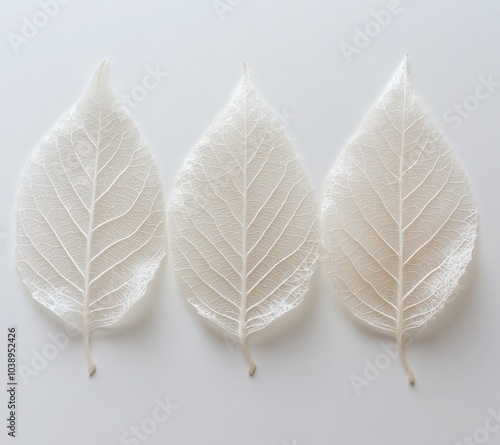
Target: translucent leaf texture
90, 215
399, 218
243, 223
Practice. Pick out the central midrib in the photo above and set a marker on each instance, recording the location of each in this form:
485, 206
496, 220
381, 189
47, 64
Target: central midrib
86, 288
399, 322
244, 234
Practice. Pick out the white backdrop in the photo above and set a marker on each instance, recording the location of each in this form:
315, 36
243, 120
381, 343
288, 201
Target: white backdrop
303, 391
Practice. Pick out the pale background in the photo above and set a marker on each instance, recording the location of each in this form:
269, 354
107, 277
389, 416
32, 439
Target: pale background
301, 393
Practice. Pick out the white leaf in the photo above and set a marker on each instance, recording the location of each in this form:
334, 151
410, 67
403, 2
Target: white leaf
90, 215
243, 221
399, 216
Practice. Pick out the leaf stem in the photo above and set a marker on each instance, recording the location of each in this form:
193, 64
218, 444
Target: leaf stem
249, 358
88, 352
402, 355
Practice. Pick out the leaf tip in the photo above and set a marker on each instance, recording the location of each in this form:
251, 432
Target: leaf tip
92, 368
100, 76
404, 63
246, 72
401, 74
246, 81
